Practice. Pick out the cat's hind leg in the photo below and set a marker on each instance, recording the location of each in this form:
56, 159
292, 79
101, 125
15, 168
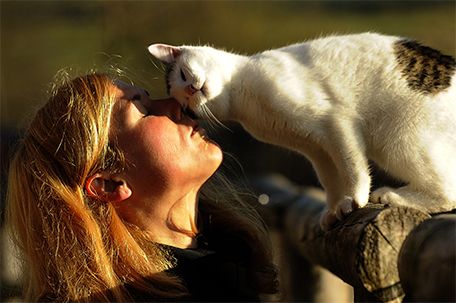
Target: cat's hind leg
428, 165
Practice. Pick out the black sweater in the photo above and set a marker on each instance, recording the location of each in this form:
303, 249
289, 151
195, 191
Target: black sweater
209, 276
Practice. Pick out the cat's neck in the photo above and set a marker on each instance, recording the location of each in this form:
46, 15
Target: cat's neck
231, 71
248, 89
232, 63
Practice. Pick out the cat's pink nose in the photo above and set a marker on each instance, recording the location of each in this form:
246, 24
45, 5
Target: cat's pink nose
190, 89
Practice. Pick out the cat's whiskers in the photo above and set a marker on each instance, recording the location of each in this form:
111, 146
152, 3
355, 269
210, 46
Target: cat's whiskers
212, 119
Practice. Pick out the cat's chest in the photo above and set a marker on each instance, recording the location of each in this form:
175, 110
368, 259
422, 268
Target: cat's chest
286, 125
282, 107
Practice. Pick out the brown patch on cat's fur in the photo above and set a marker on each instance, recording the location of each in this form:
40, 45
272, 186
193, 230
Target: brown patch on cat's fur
425, 69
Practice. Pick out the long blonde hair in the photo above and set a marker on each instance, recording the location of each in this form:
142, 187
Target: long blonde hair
75, 248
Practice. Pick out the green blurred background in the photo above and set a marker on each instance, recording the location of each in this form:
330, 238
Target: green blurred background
38, 38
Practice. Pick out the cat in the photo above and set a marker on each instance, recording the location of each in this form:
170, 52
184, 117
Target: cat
338, 100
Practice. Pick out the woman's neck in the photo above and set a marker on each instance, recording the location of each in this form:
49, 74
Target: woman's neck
174, 225
174, 239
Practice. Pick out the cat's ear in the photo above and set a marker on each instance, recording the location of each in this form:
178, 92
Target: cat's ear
164, 52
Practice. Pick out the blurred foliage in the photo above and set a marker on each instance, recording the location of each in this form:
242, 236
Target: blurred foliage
40, 37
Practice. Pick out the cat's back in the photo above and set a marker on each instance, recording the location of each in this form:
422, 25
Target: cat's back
355, 43
372, 56
341, 60
359, 64
349, 66
346, 52
327, 49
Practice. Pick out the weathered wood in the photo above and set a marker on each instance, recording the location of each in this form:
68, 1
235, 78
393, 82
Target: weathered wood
362, 250
427, 261
300, 280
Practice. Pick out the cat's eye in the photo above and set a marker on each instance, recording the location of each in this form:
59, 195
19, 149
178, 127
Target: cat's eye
182, 75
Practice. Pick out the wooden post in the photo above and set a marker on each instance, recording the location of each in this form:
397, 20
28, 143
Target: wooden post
362, 250
427, 261
300, 280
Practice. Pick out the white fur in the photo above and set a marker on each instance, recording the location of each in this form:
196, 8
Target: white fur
339, 101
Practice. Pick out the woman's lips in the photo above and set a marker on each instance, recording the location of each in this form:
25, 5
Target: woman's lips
198, 130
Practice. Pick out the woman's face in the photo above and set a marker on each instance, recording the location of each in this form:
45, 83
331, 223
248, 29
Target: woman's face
166, 151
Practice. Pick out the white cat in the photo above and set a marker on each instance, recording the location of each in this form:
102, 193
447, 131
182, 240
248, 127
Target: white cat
340, 101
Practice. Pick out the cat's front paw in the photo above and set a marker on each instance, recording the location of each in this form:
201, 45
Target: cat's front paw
327, 220
343, 208
346, 206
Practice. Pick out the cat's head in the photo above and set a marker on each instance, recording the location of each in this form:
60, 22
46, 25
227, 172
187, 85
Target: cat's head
196, 78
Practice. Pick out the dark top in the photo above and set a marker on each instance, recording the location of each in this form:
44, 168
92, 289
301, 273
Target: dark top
211, 273
209, 277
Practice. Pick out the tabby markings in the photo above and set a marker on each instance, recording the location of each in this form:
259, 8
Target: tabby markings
425, 69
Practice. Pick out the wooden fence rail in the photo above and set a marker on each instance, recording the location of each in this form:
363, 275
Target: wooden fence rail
388, 254
427, 261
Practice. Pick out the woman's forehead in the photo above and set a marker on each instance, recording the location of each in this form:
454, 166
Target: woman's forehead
120, 91
121, 88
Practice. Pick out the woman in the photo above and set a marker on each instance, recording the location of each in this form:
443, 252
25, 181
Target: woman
109, 200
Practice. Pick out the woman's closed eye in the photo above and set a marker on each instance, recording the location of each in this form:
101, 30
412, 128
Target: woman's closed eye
136, 97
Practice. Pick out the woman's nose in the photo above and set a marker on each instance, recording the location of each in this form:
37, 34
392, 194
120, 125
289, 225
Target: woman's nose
171, 108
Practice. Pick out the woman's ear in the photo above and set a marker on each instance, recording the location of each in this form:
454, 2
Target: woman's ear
107, 188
